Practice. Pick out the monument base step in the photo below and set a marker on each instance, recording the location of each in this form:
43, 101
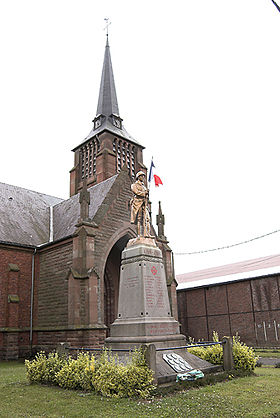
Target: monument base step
160, 341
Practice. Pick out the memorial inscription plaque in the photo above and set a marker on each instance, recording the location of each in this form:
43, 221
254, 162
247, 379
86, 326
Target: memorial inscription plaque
177, 362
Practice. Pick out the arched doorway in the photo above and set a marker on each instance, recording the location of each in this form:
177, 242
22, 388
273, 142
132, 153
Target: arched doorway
112, 280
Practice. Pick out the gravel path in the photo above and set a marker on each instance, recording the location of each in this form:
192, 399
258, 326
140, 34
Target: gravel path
267, 361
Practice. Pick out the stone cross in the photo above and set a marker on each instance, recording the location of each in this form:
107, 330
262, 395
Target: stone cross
84, 202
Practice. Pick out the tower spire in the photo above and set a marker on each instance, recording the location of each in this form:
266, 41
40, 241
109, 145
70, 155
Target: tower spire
107, 101
108, 147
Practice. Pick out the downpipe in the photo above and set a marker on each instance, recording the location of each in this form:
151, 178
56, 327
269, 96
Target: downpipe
31, 300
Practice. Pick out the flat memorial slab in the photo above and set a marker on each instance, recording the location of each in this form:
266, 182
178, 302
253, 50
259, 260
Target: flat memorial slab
166, 372
177, 363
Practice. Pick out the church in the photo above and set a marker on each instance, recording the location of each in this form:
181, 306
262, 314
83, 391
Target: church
60, 259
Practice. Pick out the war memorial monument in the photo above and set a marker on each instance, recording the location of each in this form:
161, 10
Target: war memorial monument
144, 314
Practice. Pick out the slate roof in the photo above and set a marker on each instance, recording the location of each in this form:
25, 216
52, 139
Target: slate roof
25, 215
108, 126
242, 270
66, 213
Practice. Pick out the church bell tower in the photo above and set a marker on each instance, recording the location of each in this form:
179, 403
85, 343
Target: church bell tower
108, 147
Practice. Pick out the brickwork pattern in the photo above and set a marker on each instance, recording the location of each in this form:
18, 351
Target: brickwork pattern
15, 281
91, 338
250, 308
55, 263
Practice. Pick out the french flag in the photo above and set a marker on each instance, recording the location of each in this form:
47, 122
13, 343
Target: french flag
157, 179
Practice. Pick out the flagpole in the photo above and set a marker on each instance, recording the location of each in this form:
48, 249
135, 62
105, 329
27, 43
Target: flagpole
150, 174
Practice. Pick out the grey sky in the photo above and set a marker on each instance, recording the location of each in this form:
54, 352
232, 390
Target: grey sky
197, 85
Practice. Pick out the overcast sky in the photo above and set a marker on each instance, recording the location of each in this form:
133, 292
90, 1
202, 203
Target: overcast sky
198, 86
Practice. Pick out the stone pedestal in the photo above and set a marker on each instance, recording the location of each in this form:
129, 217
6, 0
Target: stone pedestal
144, 314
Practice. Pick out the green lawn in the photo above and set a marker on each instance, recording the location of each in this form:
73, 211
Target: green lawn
254, 396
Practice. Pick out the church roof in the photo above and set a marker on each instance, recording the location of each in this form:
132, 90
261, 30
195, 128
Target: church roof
26, 217
108, 126
258, 267
66, 213
107, 106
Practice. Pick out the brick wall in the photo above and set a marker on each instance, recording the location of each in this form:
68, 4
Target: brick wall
15, 283
55, 262
91, 338
15, 295
250, 308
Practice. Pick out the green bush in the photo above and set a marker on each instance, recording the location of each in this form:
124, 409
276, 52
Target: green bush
213, 353
77, 374
105, 375
243, 356
43, 369
114, 379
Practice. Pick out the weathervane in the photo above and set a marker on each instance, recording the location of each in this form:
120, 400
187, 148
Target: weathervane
108, 23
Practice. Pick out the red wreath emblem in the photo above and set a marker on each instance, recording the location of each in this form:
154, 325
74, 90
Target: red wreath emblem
154, 270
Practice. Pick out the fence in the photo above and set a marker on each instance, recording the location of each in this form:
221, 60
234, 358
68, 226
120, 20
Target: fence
150, 351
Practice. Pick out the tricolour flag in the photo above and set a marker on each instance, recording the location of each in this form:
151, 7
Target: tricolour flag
151, 171
157, 179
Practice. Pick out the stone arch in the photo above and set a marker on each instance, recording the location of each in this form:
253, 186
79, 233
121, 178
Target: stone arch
111, 273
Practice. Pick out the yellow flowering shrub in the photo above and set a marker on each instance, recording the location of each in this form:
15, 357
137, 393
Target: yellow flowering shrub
114, 379
243, 356
106, 375
43, 368
213, 353
77, 373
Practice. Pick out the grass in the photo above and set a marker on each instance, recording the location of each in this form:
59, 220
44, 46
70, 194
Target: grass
252, 396
268, 353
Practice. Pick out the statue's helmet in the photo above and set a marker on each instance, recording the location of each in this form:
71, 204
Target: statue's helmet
140, 173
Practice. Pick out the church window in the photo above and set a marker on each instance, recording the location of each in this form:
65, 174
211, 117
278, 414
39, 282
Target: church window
133, 162
119, 164
125, 156
128, 157
88, 159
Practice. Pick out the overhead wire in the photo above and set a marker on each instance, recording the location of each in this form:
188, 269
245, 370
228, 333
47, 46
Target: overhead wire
276, 5
227, 246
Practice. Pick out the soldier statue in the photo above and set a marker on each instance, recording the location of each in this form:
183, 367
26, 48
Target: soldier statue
139, 206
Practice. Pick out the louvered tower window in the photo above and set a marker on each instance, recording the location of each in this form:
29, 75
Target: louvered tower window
125, 156
88, 158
